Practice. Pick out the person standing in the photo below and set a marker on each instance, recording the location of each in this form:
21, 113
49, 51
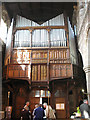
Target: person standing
25, 113
26, 106
39, 113
44, 105
85, 109
36, 106
49, 112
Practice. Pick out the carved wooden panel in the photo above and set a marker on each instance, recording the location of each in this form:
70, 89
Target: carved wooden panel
21, 56
39, 72
59, 56
58, 60
19, 71
39, 56
60, 70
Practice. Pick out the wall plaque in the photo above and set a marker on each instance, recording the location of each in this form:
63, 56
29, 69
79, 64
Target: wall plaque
60, 106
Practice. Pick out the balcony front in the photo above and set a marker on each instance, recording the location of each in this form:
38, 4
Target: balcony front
39, 65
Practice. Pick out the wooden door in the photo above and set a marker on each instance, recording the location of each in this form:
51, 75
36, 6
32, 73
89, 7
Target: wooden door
20, 102
60, 107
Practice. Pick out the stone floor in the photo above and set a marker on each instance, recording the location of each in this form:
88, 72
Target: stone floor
56, 119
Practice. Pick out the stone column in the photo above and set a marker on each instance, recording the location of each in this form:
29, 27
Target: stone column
83, 26
87, 69
88, 77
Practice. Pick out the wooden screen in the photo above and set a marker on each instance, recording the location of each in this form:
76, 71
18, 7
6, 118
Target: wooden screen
60, 70
21, 56
59, 56
41, 65
19, 71
39, 72
39, 56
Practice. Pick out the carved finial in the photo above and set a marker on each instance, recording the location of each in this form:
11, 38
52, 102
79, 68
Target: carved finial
48, 29
31, 30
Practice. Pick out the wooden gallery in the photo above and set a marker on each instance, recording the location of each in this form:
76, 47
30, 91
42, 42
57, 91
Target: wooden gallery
42, 64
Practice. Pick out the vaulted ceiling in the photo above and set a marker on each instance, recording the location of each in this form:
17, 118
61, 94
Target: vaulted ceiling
39, 11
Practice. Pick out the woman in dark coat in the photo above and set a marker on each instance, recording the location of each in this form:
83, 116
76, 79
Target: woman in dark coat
25, 113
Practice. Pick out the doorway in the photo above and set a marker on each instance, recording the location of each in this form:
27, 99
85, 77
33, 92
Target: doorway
46, 100
39, 96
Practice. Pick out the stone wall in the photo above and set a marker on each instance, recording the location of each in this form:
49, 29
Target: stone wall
83, 26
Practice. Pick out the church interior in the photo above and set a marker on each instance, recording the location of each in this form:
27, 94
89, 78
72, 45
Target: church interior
44, 55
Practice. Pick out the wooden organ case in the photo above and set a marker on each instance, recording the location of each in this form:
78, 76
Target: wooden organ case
41, 57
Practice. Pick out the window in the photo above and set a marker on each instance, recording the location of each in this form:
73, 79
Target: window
37, 93
40, 93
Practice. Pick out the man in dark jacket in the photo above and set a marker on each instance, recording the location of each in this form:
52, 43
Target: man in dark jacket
85, 110
39, 113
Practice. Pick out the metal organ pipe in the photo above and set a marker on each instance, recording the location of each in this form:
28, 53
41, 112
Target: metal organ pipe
39, 37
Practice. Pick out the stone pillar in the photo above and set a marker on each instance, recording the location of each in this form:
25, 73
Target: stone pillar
87, 69
88, 77
83, 32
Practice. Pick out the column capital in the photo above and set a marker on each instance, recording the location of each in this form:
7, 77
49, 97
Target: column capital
87, 69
